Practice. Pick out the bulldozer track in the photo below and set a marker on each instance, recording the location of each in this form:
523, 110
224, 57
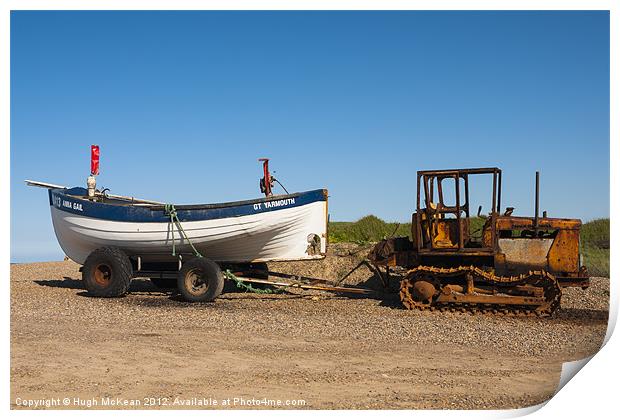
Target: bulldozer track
539, 286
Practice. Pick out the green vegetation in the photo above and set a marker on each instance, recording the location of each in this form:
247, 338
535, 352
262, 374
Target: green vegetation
595, 246
594, 237
365, 230
596, 233
372, 229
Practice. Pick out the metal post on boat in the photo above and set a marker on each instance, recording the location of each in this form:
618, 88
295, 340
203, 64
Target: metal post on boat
91, 182
266, 182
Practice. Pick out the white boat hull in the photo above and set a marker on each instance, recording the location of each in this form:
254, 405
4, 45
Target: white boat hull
284, 234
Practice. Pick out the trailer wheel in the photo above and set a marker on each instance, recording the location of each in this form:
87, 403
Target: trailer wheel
107, 272
164, 283
200, 280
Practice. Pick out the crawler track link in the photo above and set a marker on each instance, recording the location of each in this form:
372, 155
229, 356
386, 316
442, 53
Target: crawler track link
471, 289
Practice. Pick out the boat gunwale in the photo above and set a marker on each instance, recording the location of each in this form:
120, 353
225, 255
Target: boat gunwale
67, 200
206, 206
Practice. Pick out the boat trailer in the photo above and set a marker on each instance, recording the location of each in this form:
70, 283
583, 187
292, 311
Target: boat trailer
261, 276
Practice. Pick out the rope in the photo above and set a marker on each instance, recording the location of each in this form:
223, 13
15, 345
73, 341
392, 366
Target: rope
280, 185
174, 220
248, 287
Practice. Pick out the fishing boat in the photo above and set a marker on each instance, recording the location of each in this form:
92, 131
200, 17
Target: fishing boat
117, 238
273, 228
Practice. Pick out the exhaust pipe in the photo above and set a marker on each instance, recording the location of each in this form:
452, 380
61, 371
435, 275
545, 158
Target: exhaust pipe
537, 205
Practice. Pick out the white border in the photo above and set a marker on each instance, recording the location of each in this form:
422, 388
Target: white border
593, 394
307, 5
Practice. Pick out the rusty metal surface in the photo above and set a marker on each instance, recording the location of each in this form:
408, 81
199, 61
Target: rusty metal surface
382, 251
536, 293
509, 247
468, 171
562, 256
564, 253
531, 252
520, 222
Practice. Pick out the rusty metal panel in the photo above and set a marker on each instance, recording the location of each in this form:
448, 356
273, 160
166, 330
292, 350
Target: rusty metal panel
564, 254
515, 222
525, 251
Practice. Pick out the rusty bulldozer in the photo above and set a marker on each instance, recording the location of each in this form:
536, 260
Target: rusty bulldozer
511, 265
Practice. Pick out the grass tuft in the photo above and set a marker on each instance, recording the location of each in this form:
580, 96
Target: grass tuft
365, 230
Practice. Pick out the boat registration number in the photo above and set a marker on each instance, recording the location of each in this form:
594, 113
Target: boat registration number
274, 204
60, 203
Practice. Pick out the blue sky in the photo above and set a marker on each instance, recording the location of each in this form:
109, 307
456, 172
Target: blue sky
183, 103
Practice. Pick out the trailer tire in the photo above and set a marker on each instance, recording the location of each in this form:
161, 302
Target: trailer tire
107, 272
200, 280
165, 283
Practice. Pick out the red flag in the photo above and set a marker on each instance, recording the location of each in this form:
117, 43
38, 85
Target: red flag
94, 159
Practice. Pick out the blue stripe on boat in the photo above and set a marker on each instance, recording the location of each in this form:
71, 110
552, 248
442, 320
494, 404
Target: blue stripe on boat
66, 200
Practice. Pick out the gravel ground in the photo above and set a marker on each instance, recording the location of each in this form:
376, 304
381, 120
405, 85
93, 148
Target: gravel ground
330, 351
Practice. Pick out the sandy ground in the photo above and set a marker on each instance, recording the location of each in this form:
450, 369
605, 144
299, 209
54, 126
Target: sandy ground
69, 350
